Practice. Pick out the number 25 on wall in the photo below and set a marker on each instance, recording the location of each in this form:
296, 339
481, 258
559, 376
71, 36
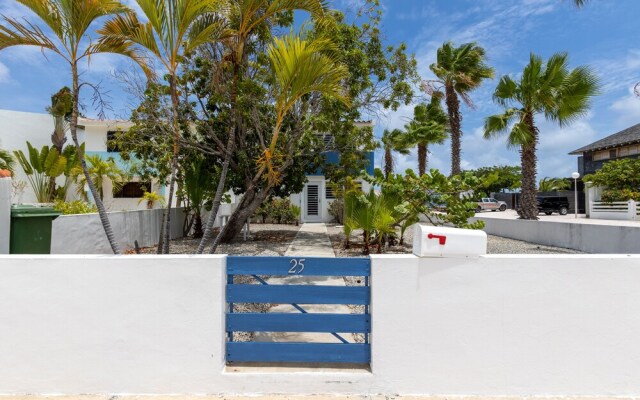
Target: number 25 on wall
297, 266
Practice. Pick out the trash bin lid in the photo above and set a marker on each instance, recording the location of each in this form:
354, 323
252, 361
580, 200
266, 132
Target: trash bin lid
28, 210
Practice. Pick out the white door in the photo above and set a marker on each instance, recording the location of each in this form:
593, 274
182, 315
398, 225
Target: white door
312, 203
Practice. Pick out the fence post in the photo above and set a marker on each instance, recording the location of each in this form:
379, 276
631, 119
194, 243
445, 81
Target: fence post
5, 214
632, 210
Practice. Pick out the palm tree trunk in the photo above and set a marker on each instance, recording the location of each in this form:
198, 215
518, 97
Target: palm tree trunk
455, 119
102, 212
231, 143
422, 159
174, 167
529, 205
388, 162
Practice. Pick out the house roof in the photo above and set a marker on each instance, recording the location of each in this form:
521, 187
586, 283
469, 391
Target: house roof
628, 136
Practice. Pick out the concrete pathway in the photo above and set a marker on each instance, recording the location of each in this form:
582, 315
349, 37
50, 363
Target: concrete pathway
312, 240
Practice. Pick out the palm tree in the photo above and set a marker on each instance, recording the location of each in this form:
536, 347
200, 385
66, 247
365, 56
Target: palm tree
300, 67
429, 126
552, 89
99, 171
553, 184
68, 22
460, 70
392, 141
175, 29
246, 17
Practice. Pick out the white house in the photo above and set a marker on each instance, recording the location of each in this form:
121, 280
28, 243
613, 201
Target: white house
16, 128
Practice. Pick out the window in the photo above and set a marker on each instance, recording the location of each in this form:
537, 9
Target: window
132, 190
111, 146
613, 153
329, 193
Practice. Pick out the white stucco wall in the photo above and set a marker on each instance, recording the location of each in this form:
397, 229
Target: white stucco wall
600, 239
16, 128
496, 325
84, 234
5, 214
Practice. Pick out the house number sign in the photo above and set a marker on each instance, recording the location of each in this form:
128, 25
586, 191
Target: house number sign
297, 266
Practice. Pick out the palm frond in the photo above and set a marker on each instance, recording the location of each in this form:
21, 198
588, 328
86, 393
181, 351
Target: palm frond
14, 33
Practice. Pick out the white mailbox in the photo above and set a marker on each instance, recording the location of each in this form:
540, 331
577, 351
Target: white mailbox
439, 241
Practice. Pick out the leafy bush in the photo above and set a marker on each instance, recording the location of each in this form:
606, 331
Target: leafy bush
278, 211
74, 207
611, 195
336, 210
618, 174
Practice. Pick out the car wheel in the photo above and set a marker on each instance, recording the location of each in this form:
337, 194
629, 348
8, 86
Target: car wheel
478, 209
503, 208
563, 210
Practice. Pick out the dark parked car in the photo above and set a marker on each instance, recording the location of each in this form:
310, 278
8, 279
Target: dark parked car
551, 204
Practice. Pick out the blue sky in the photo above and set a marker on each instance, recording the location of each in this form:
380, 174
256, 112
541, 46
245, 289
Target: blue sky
604, 35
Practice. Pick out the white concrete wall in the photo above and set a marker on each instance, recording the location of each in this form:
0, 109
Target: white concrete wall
619, 210
590, 238
84, 234
494, 326
16, 128
5, 214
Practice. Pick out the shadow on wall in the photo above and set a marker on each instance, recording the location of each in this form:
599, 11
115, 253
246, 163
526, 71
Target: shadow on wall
83, 234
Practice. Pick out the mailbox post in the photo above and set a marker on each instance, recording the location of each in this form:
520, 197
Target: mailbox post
439, 241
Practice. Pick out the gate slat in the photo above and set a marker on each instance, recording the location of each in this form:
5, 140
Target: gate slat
356, 353
281, 322
298, 294
283, 266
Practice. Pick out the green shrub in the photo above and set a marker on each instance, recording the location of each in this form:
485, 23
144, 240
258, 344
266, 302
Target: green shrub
74, 207
611, 195
277, 210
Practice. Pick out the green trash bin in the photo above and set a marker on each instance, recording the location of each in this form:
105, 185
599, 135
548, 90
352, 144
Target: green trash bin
31, 229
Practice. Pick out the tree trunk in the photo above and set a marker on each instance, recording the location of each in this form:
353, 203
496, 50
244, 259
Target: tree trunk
250, 202
529, 205
455, 119
102, 212
166, 227
422, 159
388, 163
197, 225
231, 143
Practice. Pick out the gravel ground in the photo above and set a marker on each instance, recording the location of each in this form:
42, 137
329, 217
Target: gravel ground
495, 245
265, 240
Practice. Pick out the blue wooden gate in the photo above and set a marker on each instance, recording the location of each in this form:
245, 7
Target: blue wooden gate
297, 295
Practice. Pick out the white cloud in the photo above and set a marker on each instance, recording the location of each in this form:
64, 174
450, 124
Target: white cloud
5, 74
628, 109
619, 73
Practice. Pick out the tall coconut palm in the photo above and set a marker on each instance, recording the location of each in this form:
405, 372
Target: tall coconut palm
429, 126
246, 17
460, 70
67, 24
175, 28
394, 140
549, 88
